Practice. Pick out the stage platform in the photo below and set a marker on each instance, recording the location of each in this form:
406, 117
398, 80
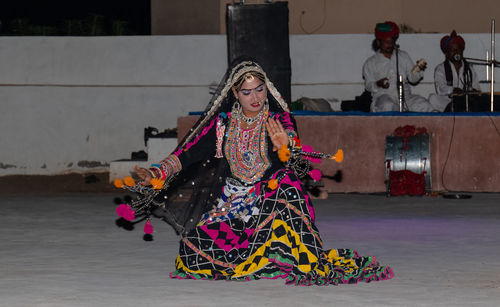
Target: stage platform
465, 147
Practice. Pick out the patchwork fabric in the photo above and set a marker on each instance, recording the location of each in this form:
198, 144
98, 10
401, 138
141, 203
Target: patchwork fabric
280, 241
236, 202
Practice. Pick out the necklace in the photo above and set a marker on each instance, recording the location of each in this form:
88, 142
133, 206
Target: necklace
250, 120
246, 149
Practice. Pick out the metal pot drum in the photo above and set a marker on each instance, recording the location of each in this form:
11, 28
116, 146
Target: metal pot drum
413, 155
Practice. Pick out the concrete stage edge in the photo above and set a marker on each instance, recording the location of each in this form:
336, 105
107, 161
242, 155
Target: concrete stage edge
465, 148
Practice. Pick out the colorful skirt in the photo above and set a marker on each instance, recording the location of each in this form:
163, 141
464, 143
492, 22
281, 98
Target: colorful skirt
273, 237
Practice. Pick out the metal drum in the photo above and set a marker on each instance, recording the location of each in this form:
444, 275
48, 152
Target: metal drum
412, 154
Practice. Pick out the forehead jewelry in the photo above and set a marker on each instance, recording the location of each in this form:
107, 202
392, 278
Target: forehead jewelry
249, 77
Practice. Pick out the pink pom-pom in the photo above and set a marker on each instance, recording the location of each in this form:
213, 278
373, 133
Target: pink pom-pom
129, 215
315, 174
307, 148
122, 210
148, 228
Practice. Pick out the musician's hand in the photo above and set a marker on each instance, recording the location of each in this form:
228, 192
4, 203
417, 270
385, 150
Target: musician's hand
458, 91
276, 133
144, 174
383, 83
422, 64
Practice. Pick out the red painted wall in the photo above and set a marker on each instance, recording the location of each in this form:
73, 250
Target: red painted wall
473, 164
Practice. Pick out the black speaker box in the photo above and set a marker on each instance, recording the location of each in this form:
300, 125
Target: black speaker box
260, 31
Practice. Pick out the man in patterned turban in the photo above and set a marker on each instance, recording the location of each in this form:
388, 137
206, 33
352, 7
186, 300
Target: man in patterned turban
454, 76
380, 73
453, 39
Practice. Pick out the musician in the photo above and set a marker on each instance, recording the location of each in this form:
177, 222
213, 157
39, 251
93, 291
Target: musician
380, 73
453, 77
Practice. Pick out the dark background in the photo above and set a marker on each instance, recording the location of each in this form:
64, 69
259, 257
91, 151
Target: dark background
75, 17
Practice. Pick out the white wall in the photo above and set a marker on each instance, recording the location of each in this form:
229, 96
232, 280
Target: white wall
75, 104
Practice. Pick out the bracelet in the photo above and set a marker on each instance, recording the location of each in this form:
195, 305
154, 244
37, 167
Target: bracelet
166, 168
157, 171
152, 173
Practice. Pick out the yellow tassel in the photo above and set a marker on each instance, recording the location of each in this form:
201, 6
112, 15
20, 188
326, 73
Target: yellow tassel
157, 183
272, 184
339, 156
284, 153
118, 183
129, 181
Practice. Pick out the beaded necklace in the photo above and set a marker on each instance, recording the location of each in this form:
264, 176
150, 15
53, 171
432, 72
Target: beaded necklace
246, 149
250, 120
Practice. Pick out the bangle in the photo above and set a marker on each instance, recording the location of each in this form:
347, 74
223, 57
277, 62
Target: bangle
166, 168
152, 173
157, 171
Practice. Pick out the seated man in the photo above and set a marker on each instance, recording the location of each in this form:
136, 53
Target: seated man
380, 73
454, 76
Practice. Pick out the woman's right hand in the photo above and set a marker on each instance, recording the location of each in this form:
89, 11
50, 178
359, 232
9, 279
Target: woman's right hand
144, 174
276, 133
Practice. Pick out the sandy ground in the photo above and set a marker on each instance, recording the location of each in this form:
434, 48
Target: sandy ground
66, 250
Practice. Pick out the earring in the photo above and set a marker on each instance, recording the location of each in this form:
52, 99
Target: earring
236, 107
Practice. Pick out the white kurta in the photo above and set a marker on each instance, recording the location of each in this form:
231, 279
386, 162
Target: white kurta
377, 67
441, 99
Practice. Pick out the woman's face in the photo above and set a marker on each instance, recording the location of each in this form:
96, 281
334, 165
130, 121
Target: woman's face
252, 95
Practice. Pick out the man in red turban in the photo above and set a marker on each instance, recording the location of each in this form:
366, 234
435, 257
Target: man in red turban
386, 30
380, 73
454, 76
452, 39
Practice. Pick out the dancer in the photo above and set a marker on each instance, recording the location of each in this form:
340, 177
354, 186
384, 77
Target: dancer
249, 216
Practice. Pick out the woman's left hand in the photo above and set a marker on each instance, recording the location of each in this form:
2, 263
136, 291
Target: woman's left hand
276, 133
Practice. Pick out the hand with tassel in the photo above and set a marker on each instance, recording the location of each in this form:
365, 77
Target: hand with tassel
297, 149
284, 153
149, 187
